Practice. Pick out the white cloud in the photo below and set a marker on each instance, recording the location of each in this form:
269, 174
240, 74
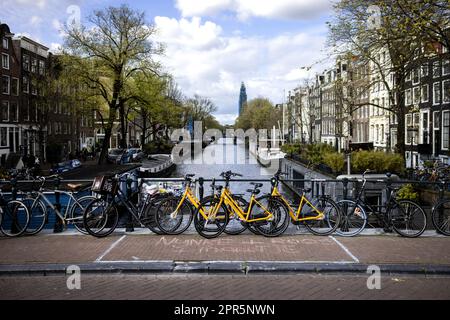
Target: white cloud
35, 21
205, 61
244, 9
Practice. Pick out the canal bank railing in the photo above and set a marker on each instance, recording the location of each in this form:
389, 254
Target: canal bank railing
336, 189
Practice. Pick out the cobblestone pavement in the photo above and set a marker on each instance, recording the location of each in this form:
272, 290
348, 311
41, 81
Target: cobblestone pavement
225, 287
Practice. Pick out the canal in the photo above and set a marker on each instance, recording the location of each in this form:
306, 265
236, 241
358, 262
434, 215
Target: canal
226, 156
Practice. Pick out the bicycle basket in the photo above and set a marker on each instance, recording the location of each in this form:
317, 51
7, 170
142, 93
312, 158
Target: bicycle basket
105, 185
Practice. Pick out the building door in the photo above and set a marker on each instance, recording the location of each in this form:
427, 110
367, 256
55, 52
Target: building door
11, 140
436, 133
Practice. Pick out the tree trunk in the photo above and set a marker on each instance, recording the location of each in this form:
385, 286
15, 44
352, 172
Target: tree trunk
108, 133
401, 115
144, 128
123, 126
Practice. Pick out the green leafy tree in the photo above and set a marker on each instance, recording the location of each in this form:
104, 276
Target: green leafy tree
114, 46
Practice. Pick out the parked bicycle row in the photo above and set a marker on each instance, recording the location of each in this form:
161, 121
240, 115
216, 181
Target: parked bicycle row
172, 212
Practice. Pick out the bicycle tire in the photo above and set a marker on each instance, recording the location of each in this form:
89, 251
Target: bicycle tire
353, 219
11, 226
100, 218
320, 230
169, 224
281, 219
402, 218
38, 216
79, 225
441, 219
149, 220
201, 223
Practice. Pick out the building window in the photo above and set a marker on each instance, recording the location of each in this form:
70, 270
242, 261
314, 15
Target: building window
5, 111
408, 76
416, 76
33, 90
436, 93
446, 91
425, 127
26, 62
41, 67
445, 129
416, 95
436, 69
33, 65
424, 70
6, 85
408, 98
5, 43
446, 67
425, 95
14, 112
5, 61
26, 85
3, 137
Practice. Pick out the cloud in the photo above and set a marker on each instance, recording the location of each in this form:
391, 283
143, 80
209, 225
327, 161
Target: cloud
245, 9
208, 62
35, 21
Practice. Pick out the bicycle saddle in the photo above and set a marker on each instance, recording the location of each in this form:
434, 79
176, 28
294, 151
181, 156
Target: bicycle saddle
74, 187
257, 185
308, 190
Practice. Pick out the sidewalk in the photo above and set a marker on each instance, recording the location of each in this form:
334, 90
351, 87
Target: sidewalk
247, 253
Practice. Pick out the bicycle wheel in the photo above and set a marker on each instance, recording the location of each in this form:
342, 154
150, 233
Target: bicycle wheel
408, 219
441, 217
279, 222
77, 210
100, 218
171, 222
15, 218
235, 225
212, 226
331, 221
353, 219
38, 216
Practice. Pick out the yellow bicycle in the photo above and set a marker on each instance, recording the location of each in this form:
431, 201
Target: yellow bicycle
270, 219
321, 216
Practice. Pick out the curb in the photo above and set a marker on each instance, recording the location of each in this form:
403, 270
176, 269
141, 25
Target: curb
216, 267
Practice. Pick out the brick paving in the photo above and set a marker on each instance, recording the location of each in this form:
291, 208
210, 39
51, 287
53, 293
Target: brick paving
227, 248
225, 287
54, 249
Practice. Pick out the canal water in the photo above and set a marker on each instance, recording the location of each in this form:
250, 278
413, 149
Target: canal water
226, 156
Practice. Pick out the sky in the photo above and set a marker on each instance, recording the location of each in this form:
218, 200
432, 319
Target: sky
211, 45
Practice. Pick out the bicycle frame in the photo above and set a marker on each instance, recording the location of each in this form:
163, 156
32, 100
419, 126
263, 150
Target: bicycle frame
72, 200
227, 199
295, 215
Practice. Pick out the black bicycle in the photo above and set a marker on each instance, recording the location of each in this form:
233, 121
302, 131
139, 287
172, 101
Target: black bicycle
14, 215
101, 216
440, 214
405, 217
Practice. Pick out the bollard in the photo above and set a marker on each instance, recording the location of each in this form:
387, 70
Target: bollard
201, 189
345, 188
59, 224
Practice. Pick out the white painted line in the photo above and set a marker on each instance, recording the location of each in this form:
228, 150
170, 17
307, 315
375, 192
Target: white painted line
345, 249
99, 259
230, 262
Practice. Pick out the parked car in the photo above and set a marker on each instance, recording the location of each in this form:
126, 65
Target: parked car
66, 166
136, 154
115, 155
